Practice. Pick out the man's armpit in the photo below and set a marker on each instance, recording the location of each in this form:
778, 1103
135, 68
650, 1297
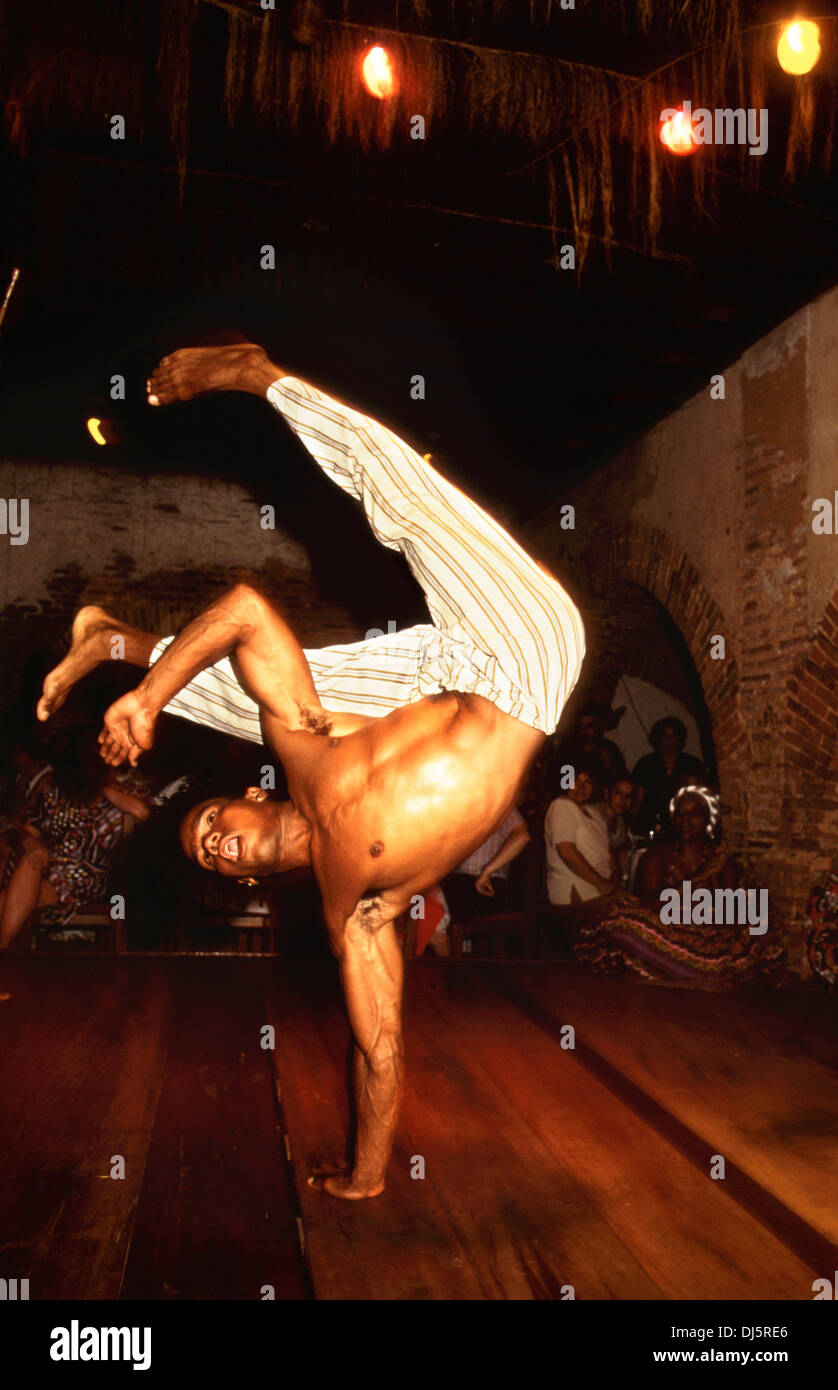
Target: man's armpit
371, 914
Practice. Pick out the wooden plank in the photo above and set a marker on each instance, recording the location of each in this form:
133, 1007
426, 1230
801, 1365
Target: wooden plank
80, 1075
691, 1237
494, 1210
399, 1245
216, 1217
748, 1074
529, 1228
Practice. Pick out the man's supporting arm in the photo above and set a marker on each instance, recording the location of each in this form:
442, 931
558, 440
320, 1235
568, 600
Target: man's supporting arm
371, 972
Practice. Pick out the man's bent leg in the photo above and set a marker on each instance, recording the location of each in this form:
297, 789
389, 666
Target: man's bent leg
97, 636
350, 678
522, 634
506, 627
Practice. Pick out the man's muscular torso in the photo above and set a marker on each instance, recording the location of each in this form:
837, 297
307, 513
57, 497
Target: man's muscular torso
397, 803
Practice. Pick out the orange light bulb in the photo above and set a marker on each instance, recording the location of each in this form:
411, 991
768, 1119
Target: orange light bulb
799, 47
677, 134
377, 71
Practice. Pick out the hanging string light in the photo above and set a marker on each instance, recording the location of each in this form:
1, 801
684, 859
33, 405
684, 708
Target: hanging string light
677, 134
378, 74
799, 47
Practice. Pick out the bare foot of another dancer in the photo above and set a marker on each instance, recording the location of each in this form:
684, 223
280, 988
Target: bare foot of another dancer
89, 646
193, 371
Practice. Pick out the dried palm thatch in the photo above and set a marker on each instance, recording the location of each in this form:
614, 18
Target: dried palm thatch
174, 69
589, 135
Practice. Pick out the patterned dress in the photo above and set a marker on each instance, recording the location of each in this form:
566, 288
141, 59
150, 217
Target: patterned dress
820, 930
715, 955
80, 839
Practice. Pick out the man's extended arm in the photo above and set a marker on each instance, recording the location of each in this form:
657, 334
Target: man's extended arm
241, 624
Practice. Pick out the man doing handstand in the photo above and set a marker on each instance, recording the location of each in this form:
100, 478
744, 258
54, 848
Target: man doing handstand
402, 753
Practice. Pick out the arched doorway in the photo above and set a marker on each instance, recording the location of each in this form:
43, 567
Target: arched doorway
639, 662
648, 561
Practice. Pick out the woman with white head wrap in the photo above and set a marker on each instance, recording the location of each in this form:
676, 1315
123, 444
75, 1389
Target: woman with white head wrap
709, 798
657, 944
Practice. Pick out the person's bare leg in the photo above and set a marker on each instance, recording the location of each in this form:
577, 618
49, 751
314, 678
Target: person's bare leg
193, 371
19, 900
27, 889
92, 641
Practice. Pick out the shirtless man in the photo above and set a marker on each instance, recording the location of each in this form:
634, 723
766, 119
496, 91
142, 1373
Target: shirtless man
402, 753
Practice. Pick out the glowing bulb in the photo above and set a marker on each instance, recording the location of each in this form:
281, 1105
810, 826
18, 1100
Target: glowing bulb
377, 70
677, 134
93, 425
799, 47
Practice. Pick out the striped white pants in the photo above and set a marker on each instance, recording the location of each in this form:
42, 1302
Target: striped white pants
502, 626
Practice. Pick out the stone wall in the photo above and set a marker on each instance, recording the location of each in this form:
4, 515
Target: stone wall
711, 513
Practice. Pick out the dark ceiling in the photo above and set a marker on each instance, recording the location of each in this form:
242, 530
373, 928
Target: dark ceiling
389, 261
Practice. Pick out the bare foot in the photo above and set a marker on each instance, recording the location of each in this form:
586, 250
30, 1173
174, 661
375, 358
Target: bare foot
193, 371
89, 647
334, 1179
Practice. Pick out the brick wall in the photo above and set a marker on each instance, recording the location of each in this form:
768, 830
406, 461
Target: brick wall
711, 515
155, 549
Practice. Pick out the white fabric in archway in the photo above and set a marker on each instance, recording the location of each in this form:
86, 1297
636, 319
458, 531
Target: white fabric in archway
645, 703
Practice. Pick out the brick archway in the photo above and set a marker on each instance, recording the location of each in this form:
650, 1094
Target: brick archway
810, 804
644, 556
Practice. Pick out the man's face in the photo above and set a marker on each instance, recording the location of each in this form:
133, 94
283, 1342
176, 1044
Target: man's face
618, 798
590, 730
237, 838
670, 744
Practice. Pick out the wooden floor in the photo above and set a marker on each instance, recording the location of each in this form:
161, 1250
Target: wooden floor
546, 1167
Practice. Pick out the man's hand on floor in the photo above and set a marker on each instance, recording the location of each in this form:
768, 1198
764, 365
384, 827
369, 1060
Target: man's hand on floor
128, 731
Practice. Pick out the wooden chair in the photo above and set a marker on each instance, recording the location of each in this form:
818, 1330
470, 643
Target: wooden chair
110, 935
556, 927
202, 907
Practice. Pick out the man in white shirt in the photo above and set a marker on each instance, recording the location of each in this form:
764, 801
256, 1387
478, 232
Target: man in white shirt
485, 872
579, 865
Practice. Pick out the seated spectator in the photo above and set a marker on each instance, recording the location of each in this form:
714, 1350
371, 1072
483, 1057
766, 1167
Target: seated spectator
64, 846
638, 937
660, 774
579, 863
482, 874
29, 766
615, 810
588, 743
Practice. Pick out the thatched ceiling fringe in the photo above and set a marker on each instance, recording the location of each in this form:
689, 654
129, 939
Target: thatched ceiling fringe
174, 66
675, 16
478, 90
571, 116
